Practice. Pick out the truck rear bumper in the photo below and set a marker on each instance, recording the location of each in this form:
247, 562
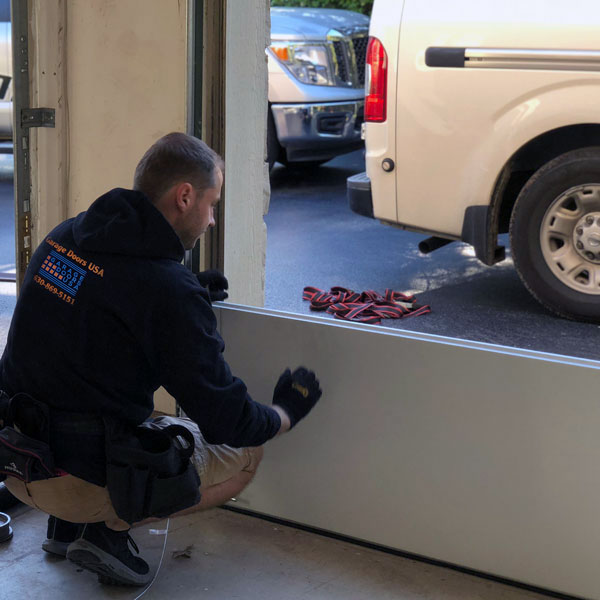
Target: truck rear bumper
359, 194
318, 131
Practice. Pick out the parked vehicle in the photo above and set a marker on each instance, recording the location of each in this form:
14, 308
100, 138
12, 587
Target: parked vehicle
316, 65
6, 124
481, 118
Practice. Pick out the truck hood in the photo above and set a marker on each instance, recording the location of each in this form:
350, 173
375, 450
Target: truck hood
299, 24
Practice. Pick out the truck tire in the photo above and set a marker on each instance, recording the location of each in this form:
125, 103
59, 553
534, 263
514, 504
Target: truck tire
555, 235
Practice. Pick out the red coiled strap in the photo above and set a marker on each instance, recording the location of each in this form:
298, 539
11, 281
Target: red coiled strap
364, 307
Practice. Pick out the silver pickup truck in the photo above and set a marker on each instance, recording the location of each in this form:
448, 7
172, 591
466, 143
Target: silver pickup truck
5, 73
316, 65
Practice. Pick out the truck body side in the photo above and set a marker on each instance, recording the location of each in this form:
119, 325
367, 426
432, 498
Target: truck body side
457, 128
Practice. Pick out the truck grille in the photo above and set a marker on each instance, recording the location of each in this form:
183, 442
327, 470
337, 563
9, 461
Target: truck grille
360, 52
349, 54
341, 61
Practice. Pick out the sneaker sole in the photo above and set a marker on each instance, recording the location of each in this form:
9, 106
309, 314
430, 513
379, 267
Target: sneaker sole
56, 548
108, 568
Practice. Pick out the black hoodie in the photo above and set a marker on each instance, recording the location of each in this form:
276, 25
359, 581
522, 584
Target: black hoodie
107, 314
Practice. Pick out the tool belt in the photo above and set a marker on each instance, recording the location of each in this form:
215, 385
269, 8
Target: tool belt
148, 467
24, 450
149, 472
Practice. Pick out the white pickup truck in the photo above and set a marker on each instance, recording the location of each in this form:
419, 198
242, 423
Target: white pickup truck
316, 64
483, 117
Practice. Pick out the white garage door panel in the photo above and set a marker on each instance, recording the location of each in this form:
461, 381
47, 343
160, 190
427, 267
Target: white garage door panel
480, 458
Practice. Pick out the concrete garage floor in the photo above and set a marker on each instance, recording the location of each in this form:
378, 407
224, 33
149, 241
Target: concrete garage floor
234, 556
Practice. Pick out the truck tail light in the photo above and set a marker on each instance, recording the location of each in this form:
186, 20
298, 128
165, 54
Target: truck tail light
376, 82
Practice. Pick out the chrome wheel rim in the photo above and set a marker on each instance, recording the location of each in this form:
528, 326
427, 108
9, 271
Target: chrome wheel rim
570, 238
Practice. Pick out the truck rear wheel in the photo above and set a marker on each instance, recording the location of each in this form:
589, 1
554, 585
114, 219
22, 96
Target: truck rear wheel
555, 235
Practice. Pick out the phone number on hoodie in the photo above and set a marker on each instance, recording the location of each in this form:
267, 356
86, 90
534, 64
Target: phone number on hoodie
52, 288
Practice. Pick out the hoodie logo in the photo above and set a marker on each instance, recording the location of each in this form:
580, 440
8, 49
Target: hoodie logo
60, 276
62, 272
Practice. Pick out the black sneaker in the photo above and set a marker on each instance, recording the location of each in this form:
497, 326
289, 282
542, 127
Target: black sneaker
106, 552
60, 534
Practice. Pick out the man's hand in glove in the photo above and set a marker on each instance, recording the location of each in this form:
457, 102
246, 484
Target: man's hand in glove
215, 283
296, 393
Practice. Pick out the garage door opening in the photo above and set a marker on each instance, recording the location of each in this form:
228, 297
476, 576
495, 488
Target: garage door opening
314, 239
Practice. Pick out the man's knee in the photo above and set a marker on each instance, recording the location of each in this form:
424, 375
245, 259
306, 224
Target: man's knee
255, 456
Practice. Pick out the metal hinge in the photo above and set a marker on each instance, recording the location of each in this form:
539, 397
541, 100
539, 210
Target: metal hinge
37, 117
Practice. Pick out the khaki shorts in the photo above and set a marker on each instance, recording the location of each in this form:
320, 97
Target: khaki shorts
73, 499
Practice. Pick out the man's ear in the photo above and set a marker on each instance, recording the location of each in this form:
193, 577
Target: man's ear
184, 195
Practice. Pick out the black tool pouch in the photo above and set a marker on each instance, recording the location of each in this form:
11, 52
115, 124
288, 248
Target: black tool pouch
23, 457
149, 473
24, 450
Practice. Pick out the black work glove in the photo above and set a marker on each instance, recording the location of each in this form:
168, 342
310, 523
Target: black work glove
215, 283
297, 393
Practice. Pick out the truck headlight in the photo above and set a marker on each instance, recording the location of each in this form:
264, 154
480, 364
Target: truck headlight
309, 63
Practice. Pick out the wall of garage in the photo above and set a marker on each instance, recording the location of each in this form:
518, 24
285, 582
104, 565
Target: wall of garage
117, 74
247, 178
